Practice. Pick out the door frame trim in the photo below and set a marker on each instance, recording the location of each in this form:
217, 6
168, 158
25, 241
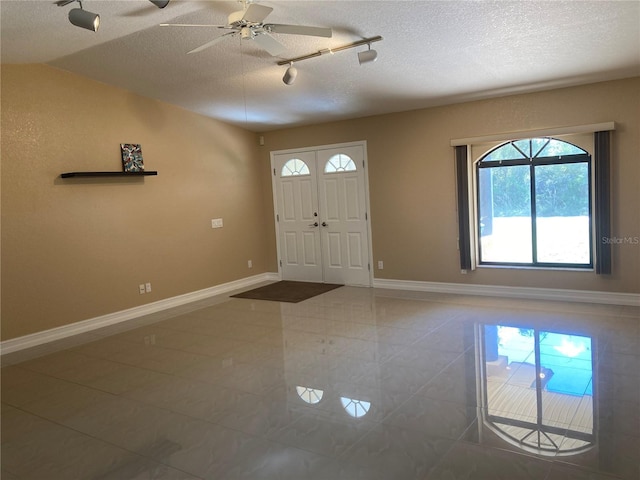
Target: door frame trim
315, 148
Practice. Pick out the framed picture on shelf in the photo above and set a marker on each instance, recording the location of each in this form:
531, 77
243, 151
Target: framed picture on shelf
132, 157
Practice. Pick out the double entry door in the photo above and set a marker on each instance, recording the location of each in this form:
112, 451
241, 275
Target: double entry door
321, 214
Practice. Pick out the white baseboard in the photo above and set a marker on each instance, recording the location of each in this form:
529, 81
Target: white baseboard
58, 333
583, 296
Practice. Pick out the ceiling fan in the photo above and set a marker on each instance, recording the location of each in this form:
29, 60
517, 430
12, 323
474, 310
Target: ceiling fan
249, 24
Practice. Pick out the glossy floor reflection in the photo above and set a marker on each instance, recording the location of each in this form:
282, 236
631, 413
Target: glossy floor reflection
353, 384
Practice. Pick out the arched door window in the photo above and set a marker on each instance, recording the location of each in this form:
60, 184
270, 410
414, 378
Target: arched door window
340, 163
293, 167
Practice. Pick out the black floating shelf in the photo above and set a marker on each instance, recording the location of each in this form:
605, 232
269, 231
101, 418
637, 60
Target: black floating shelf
108, 174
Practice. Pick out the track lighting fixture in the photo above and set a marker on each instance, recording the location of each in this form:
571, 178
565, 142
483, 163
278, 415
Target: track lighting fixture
160, 3
363, 57
84, 19
91, 21
81, 17
290, 75
367, 56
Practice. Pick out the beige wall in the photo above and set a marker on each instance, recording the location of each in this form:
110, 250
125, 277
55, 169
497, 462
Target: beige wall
412, 185
76, 249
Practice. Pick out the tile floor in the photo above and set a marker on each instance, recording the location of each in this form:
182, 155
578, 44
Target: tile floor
353, 384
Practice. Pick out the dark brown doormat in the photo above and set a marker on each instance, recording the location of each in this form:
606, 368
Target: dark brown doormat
288, 291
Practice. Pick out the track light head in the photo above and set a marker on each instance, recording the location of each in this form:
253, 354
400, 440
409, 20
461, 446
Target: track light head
290, 75
84, 19
160, 3
363, 57
367, 56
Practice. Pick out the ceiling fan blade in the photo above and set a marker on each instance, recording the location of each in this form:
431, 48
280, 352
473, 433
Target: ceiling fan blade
211, 43
191, 25
270, 44
256, 13
299, 30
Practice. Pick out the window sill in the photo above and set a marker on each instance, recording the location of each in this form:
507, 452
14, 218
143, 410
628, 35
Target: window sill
534, 267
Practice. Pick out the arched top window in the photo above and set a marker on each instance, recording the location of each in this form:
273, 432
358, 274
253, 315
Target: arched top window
293, 167
534, 205
340, 163
355, 408
310, 395
531, 148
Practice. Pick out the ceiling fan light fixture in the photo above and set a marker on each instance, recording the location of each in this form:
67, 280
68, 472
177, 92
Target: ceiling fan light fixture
290, 75
160, 3
84, 19
367, 56
246, 33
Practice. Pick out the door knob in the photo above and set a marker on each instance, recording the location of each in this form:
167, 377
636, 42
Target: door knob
325, 224
315, 224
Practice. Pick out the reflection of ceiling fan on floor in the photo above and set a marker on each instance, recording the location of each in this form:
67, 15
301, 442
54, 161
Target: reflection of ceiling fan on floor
248, 23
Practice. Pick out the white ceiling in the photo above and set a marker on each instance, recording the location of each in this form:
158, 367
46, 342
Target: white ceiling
433, 53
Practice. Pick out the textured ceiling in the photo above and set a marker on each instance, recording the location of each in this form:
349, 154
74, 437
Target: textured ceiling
433, 53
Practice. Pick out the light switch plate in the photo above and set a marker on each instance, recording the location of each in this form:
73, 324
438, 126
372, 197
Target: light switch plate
216, 223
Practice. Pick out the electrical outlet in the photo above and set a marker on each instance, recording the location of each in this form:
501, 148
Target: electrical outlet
147, 287
249, 264
380, 265
141, 288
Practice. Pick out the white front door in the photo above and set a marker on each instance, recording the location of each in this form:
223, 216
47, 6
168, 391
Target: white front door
343, 215
321, 214
297, 216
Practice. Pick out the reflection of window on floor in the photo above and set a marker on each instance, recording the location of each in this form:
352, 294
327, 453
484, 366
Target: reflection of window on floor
538, 388
355, 408
310, 395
